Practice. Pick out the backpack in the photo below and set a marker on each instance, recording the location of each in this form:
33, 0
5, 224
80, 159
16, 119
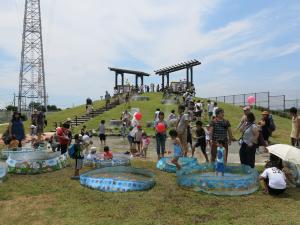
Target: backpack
71, 151
272, 127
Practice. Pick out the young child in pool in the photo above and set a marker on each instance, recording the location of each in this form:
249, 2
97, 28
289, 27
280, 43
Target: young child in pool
107, 154
177, 147
220, 158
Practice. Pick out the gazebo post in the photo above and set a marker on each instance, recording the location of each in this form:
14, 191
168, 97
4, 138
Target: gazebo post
163, 81
168, 82
116, 79
187, 78
136, 81
192, 82
122, 76
142, 80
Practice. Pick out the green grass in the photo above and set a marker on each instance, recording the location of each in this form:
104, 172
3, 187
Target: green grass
147, 109
232, 113
53, 198
60, 116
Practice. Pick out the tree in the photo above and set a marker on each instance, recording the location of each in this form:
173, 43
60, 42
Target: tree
11, 108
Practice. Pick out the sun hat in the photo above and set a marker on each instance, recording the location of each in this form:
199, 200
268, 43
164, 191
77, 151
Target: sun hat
265, 113
246, 108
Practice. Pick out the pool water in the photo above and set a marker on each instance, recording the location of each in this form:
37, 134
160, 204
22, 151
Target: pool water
121, 176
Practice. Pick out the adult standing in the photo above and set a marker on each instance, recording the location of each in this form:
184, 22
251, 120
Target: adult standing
34, 116
63, 137
265, 126
295, 133
89, 105
248, 141
16, 128
40, 123
243, 121
107, 99
220, 130
210, 109
181, 128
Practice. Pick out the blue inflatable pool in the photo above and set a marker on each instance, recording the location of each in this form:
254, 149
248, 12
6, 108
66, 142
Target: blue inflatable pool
3, 171
118, 179
166, 165
237, 180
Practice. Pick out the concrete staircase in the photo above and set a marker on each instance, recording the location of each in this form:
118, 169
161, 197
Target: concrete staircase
78, 120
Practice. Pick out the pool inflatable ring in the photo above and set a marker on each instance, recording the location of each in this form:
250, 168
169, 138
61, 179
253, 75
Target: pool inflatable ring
237, 180
4, 154
166, 165
35, 162
118, 179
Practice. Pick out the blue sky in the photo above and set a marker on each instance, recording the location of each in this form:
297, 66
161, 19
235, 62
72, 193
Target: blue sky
244, 46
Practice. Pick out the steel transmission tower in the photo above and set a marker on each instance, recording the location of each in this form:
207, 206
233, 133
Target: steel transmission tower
32, 86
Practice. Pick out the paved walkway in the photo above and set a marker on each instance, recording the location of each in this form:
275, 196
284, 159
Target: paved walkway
117, 144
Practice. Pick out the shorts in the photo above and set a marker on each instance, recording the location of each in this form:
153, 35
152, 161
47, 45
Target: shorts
137, 142
102, 137
210, 114
130, 139
78, 164
202, 145
220, 168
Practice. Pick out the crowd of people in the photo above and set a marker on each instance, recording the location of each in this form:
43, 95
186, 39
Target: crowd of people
184, 127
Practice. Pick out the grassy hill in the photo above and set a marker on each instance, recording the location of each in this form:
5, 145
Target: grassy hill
60, 116
232, 113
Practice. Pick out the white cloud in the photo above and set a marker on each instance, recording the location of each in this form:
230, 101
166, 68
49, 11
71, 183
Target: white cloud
81, 39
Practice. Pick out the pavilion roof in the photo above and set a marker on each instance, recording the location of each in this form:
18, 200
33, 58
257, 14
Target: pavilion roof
177, 67
135, 72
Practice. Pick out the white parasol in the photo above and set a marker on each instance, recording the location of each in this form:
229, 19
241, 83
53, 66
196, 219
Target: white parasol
285, 152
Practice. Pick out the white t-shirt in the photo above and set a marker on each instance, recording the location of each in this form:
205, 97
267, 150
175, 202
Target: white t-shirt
214, 110
210, 107
276, 178
156, 115
85, 139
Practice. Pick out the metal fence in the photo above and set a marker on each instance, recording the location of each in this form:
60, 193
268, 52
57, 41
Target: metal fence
262, 100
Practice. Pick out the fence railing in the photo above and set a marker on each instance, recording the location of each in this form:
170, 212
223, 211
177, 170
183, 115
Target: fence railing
262, 100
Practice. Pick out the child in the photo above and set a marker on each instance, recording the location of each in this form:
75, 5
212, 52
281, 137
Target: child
123, 131
200, 140
92, 155
102, 135
107, 154
220, 158
14, 143
78, 156
189, 138
160, 135
145, 144
138, 138
274, 179
177, 148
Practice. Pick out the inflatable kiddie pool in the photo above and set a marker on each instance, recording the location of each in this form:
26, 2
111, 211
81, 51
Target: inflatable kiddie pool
35, 162
4, 154
118, 179
119, 159
237, 180
3, 171
165, 164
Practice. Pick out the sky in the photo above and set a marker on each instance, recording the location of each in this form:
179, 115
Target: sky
244, 46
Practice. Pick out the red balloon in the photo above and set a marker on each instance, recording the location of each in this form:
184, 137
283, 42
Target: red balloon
138, 116
160, 127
